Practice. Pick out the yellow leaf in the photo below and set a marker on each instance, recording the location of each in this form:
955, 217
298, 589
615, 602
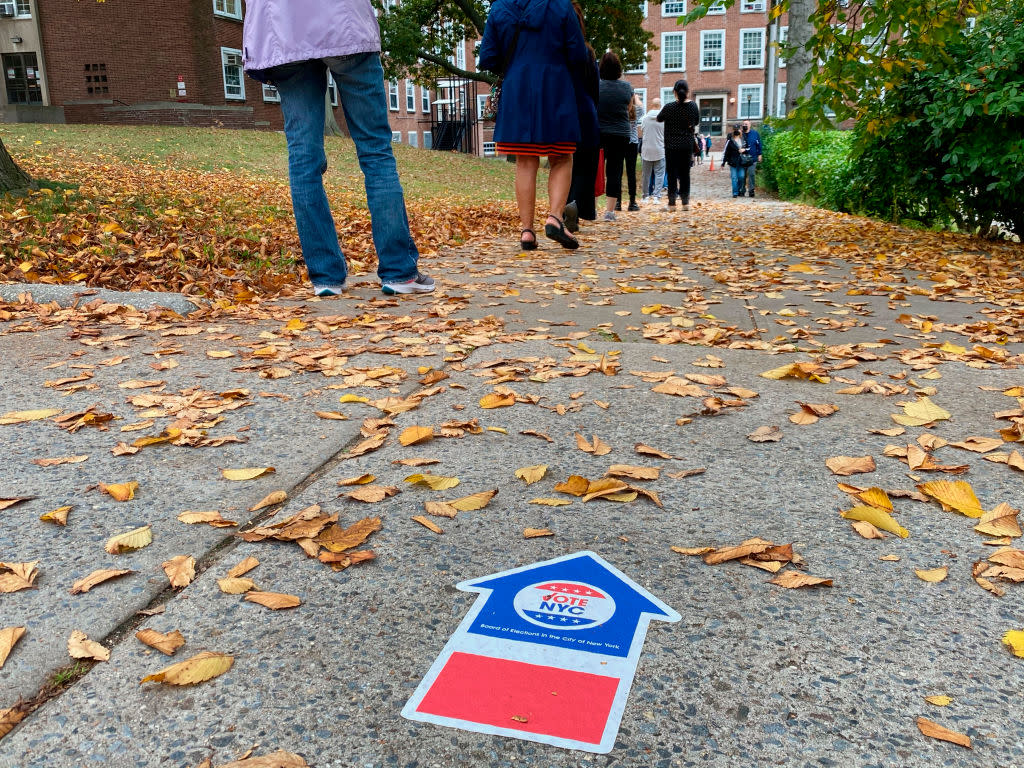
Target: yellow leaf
434, 482
167, 643
180, 570
598, 447
936, 731
575, 485
86, 583
211, 517
371, 494
9, 637
499, 430
497, 400
232, 585
1015, 639
250, 473
878, 518
650, 309
427, 523
550, 502
531, 475
350, 398
200, 668
275, 497
939, 701
130, 541
295, 324
795, 580
920, 412
1001, 521
476, 501
535, 533
120, 491
279, 759
219, 354
633, 472
275, 601
867, 530
337, 539
363, 479
415, 435
876, 497
15, 577
933, 575
954, 496
243, 567
808, 371
58, 516
81, 647
20, 417
850, 465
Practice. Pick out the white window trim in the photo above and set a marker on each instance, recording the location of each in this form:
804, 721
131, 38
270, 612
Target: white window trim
224, 52
645, 11
393, 95
665, 36
225, 14
481, 104
425, 102
271, 96
780, 100
783, 42
428, 139
760, 32
410, 96
396, 137
741, 100
717, 9
668, 95
700, 64
19, 15
665, 13
332, 88
489, 149
413, 139
642, 93
641, 70
748, 6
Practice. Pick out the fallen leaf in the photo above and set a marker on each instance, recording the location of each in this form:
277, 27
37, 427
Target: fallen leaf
243, 567
337, 539
497, 400
955, 496
877, 517
646, 450
807, 371
10, 501
749, 547
691, 551
473, 502
979, 444
890, 558
20, 417
434, 482
535, 533
200, 668
427, 523
850, 465
936, 731
279, 759
933, 575
61, 460
9, 637
416, 462
211, 517
686, 473
166, 643
130, 541
357, 480
235, 585
550, 502
1001, 521
939, 701
920, 412
86, 583
275, 601
531, 475
679, 388
250, 473
15, 577
1014, 638
371, 493
867, 530
276, 497
416, 435
120, 491
81, 647
795, 580
180, 570
597, 447
604, 487
535, 433
10, 718
58, 515
765, 435
633, 472
350, 398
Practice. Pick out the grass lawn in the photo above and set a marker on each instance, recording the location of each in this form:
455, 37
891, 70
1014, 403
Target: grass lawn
426, 175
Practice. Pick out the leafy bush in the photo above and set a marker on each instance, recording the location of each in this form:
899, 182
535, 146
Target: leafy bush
808, 165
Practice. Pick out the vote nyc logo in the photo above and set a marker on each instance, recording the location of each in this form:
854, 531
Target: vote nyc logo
564, 604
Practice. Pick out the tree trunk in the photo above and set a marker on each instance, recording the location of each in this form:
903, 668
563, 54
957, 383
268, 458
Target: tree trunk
799, 65
331, 127
11, 176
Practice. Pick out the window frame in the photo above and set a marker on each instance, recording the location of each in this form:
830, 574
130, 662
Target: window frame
392, 95
224, 53
396, 137
22, 14
783, 41
780, 100
741, 101
751, 6
270, 94
426, 103
667, 14
489, 149
428, 140
701, 65
666, 36
642, 93
717, 9
641, 70
226, 14
760, 33
410, 96
668, 95
413, 139
481, 104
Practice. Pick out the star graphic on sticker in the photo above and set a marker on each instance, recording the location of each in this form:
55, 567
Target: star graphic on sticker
564, 619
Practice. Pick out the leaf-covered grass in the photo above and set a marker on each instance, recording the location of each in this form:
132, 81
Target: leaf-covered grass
426, 174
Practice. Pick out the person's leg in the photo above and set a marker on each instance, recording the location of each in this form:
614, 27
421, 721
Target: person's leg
738, 178
684, 178
659, 175
558, 183
631, 173
302, 88
526, 189
360, 81
588, 159
751, 173
614, 154
646, 169
671, 167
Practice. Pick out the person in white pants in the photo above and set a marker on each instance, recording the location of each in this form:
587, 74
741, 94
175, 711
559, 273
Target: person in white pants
652, 154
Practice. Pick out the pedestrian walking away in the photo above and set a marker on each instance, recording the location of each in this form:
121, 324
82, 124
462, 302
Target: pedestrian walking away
292, 44
752, 145
585, 160
680, 117
732, 158
652, 153
537, 47
633, 150
613, 116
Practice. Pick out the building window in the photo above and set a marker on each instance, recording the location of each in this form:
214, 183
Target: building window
481, 104
21, 75
396, 137
667, 96
748, 100
459, 59
393, 95
234, 83
752, 6
96, 83
270, 93
751, 48
19, 9
428, 140
783, 42
780, 107
425, 99
717, 8
673, 51
413, 139
642, 93
490, 149
642, 69
332, 89
673, 8
644, 6
231, 9
410, 96
712, 49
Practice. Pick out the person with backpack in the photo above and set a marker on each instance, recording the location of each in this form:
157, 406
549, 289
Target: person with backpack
732, 158
752, 143
681, 118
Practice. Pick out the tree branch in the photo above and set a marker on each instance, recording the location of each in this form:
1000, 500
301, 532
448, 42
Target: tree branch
442, 62
473, 15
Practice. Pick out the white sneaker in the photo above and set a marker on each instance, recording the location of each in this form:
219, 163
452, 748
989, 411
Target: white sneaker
419, 284
609, 215
329, 290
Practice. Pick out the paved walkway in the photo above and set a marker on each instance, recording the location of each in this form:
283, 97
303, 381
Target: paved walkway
697, 304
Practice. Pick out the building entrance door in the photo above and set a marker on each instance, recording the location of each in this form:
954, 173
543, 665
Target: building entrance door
21, 76
712, 108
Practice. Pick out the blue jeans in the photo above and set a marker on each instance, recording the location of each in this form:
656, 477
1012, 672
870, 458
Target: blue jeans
739, 175
360, 81
751, 173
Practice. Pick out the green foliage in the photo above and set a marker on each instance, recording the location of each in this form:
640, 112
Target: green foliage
419, 37
808, 165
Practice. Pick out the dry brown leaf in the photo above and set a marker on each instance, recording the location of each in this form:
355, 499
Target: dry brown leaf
233, 585
746, 548
1014, 558
647, 450
9, 637
416, 435
691, 551
20, 417
15, 577
180, 570
10, 718
243, 567
535, 433
337, 539
803, 418
936, 731
867, 530
795, 580
434, 482
86, 583
686, 473
248, 473
275, 601
890, 558
596, 446
120, 491
200, 668
371, 493
575, 485
165, 642
331, 415
680, 388
427, 523
211, 517
979, 444
416, 462
550, 502
440, 509
932, 575
806, 370
497, 400
341, 561
363, 479
56, 462
58, 515
10, 501
1001, 521
633, 472
765, 435
604, 487
279, 759
276, 497
850, 465
130, 541
81, 647
531, 475
536, 533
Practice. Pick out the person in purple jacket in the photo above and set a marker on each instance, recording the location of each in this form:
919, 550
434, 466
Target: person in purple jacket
292, 44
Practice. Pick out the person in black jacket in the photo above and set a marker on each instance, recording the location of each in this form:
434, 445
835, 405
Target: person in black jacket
733, 158
680, 117
614, 97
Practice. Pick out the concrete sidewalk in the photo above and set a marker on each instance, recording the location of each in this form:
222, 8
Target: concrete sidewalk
753, 674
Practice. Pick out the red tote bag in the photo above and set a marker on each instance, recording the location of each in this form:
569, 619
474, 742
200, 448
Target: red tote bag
599, 181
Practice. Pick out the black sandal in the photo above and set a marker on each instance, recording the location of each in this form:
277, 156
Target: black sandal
528, 245
559, 235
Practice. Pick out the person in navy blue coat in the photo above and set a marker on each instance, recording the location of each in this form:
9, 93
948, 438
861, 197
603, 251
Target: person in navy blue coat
538, 46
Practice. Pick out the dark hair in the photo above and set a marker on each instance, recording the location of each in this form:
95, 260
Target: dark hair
579, 14
736, 132
611, 67
682, 88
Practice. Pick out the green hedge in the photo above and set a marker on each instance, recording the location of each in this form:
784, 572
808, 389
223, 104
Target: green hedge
813, 166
